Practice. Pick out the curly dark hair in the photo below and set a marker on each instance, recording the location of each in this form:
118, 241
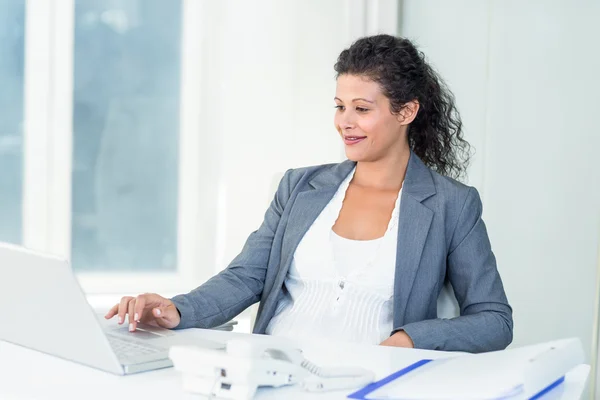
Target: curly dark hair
395, 63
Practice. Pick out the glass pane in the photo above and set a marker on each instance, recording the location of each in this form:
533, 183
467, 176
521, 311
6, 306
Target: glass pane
126, 123
12, 44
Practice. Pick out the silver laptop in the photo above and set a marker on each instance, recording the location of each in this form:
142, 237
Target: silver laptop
43, 308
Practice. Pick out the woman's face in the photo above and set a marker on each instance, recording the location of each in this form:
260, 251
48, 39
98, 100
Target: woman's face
364, 120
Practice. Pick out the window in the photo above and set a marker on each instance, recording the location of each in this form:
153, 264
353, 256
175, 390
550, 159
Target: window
106, 171
125, 135
12, 32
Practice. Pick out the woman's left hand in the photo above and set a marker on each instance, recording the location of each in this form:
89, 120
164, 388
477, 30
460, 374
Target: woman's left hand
399, 339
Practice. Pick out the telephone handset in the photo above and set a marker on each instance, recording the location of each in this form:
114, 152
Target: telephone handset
246, 364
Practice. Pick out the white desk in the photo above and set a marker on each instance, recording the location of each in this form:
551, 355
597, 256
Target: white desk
26, 374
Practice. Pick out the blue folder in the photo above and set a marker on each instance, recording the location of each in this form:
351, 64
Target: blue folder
370, 388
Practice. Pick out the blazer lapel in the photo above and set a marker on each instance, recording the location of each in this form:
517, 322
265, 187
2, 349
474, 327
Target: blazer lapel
305, 210
309, 204
413, 227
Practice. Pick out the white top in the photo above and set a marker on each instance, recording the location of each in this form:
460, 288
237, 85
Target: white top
337, 288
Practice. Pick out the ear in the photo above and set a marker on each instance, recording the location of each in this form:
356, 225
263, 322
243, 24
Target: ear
408, 113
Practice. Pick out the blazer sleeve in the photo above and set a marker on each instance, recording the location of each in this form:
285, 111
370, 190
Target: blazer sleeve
241, 284
485, 322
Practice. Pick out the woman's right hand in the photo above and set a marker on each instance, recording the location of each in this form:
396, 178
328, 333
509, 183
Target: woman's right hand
148, 308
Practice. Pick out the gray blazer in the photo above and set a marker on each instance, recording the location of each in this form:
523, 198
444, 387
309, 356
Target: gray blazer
441, 236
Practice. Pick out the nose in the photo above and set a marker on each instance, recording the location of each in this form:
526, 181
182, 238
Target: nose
346, 121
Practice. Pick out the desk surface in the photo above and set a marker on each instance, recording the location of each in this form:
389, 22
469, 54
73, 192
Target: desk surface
27, 374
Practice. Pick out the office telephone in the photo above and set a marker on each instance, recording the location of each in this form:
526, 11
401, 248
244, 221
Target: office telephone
246, 364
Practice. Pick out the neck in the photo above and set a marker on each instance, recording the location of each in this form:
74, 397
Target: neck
384, 174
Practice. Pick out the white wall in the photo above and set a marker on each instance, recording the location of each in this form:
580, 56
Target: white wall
525, 77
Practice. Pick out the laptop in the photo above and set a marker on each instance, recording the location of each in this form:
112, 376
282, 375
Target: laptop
43, 308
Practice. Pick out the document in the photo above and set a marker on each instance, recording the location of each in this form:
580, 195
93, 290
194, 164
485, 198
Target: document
521, 373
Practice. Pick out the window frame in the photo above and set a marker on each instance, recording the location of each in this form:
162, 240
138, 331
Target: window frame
48, 152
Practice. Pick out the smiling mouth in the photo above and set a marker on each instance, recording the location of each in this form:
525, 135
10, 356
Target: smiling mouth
349, 140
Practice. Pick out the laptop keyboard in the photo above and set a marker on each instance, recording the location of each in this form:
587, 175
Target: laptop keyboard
127, 348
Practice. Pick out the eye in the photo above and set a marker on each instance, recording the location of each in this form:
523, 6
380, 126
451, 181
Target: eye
361, 109
340, 108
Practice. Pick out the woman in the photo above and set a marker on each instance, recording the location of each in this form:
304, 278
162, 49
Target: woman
360, 250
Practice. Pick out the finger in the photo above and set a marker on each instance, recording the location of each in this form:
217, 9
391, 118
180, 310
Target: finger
131, 312
157, 312
161, 317
112, 312
140, 304
123, 308
165, 317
